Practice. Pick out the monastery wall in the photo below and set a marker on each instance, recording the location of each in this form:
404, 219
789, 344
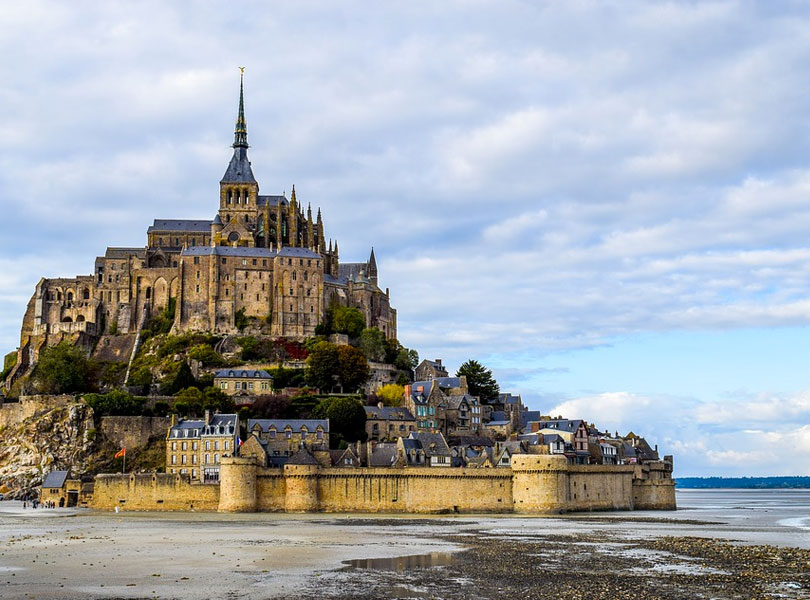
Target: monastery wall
536, 484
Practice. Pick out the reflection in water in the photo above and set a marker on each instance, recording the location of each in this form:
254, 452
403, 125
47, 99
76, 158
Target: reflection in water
403, 563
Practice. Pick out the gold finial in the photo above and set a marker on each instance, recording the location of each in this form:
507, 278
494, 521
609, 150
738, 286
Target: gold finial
242, 70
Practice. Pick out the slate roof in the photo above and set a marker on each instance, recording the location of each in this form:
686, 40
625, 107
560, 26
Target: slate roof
352, 270
180, 225
239, 170
498, 415
295, 424
125, 252
552, 437
298, 252
229, 251
433, 444
507, 399
411, 444
448, 382
55, 479
383, 455
302, 457
221, 425
567, 425
185, 428
388, 413
271, 200
469, 440
241, 373
529, 415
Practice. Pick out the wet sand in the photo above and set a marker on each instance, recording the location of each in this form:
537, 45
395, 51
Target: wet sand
720, 553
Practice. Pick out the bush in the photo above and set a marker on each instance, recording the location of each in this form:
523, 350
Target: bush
240, 320
347, 419
62, 369
206, 355
117, 402
348, 320
391, 394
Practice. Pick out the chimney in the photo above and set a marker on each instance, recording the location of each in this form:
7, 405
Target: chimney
438, 361
408, 390
380, 404
207, 416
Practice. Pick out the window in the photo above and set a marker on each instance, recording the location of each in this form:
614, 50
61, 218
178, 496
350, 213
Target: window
216, 459
197, 289
183, 459
225, 445
207, 447
198, 274
319, 434
244, 261
289, 434
223, 260
216, 445
193, 445
207, 458
184, 446
294, 275
223, 385
254, 261
174, 459
250, 385
174, 444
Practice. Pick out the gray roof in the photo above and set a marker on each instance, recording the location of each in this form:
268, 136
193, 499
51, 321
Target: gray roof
383, 455
185, 225
125, 252
498, 415
302, 457
341, 281
217, 220
241, 373
271, 200
433, 444
55, 479
351, 271
529, 415
567, 425
298, 252
294, 424
389, 413
507, 399
469, 440
229, 251
185, 428
224, 424
552, 437
239, 170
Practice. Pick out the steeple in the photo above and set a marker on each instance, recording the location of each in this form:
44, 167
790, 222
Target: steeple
240, 133
239, 170
372, 267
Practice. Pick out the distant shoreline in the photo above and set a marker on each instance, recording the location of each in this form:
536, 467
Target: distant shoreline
743, 483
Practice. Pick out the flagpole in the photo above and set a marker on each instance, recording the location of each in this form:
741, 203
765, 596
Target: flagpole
124, 466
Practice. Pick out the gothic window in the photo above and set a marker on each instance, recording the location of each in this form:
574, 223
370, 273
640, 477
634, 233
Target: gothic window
70, 296
294, 275
86, 294
306, 276
230, 197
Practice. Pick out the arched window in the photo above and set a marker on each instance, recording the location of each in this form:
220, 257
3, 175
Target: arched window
294, 275
80, 319
67, 320
86, 294
148, 293
70, 296
238, 197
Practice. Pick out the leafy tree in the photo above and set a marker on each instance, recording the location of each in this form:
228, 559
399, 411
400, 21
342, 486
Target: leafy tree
391, 394
347, 419
322, 365
109, 374
479, 380
406, 360
9, 362
117, 402
272, 406
348, 320
302, 405
353, 369
194, 402
404, 379
284, 378
240, 320
372, 343
182, 380
206, 355
62, 369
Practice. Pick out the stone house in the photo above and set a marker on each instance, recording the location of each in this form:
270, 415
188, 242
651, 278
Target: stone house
430, 369
388, 422
429, 401
61, 490
436, 451
463, 414
195, 447
243, 381
284, 437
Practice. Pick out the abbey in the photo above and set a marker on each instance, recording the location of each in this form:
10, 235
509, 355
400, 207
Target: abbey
261, 256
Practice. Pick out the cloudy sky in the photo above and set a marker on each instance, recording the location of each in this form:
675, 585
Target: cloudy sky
606, 202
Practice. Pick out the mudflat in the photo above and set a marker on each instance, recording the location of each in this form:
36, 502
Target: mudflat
78, 554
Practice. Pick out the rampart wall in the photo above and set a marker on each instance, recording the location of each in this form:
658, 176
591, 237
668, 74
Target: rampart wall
133, 432
535, 484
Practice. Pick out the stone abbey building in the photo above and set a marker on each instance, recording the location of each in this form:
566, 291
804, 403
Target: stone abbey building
262, 255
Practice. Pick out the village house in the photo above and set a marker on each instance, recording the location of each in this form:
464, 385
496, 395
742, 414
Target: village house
429, 401
436, 451
388, 422
284, 437
572, 431
194, 447
243, 381
430, 369
463, 414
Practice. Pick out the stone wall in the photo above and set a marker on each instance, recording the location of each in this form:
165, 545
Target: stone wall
14, 413
535, 484
153, 491
133, 432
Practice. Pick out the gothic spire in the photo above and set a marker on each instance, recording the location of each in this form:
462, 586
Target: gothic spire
240, 133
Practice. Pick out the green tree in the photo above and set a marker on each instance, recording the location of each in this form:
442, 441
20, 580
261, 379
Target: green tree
117, 402
62, 369
322, 366
347, 419
182, 380
206, 355
391, 394
240, 320
479, 380
406, 360
353, 370
348, 320
373, 344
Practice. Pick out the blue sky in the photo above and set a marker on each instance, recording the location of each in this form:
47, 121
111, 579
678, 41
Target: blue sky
606, 202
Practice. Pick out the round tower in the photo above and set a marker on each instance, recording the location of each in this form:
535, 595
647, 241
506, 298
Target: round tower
237, 484
540, 483
302, 487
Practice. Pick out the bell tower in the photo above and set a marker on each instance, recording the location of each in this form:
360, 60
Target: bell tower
238, 189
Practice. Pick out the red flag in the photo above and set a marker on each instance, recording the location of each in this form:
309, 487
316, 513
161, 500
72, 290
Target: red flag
122, 452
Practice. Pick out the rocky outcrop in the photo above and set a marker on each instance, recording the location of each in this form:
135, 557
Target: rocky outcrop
50, 437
